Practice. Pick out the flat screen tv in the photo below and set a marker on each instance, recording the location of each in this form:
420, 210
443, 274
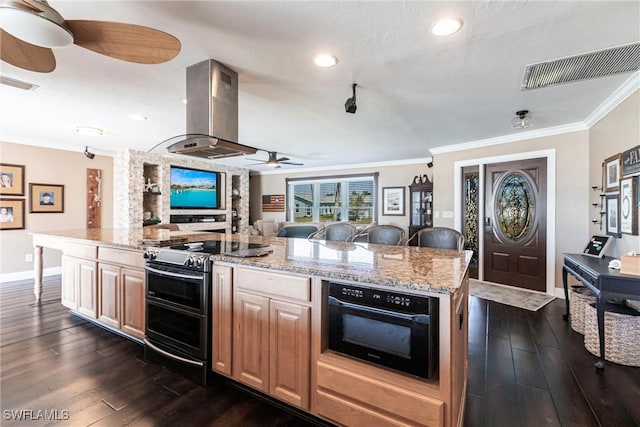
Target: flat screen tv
194, 188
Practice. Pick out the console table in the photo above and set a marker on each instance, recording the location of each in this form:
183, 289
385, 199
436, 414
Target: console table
604, 282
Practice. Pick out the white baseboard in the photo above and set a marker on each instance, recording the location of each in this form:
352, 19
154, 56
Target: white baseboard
560, 293
29, 274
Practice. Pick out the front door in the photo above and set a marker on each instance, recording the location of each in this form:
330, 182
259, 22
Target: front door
515, 224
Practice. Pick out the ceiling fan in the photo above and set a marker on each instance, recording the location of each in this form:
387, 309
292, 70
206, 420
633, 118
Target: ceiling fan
30, 28
274, 161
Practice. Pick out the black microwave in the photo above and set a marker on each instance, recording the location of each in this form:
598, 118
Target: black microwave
389, 329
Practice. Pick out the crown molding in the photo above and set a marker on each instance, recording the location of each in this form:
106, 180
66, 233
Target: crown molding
631, 85
505, 139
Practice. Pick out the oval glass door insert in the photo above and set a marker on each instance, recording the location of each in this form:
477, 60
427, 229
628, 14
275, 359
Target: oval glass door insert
514, 207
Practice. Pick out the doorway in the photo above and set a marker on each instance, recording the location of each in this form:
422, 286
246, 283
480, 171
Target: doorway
515, 223
459, 190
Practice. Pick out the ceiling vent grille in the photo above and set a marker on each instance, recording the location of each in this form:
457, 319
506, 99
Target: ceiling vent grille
591, 65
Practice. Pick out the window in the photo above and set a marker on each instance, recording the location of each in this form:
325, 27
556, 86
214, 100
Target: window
349, 198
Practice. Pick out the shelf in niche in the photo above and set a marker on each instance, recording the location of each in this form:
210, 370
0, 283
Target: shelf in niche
151, 193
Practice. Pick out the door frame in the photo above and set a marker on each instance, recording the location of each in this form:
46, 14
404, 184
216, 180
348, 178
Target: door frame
550, 155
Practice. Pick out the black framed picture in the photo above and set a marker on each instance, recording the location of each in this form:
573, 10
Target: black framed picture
611, 173
393, 201
613, 215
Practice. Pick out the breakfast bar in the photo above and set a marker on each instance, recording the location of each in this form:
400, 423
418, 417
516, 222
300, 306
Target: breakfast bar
302, 324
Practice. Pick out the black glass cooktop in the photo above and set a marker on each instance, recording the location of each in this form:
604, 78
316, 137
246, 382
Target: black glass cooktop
217, 246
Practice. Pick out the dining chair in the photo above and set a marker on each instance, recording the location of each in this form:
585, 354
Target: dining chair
439, 237
337, 232
381, 234
297, 231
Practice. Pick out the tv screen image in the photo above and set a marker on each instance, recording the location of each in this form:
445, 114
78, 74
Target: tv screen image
194, 189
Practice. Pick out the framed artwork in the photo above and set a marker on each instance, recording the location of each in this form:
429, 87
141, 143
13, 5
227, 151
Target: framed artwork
631, 161
46, 198
273, 203
628, 203
393, 201
11, 214
11, 180
613, 215
611, 173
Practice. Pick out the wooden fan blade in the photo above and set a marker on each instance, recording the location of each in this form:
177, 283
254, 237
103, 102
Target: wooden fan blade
26, 55
128, 42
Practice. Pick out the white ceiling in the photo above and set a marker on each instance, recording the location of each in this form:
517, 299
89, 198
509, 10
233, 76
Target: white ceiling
415, 91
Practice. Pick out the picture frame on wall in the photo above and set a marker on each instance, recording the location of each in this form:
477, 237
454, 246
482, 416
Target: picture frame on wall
393, 201
611, 173
612, 217
628, 206
46, 198
11, 180
11, 214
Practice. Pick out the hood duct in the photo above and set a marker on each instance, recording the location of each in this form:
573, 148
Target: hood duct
212, 114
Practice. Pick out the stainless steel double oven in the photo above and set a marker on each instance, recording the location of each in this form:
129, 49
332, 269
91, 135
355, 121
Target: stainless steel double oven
178, 311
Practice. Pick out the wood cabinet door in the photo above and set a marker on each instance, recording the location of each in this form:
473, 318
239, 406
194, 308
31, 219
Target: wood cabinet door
87, 292
109, 294
221, 319
70, 279
289, 341
133, 301
251, 340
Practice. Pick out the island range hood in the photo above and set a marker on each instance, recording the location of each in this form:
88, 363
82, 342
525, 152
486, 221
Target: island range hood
212, 114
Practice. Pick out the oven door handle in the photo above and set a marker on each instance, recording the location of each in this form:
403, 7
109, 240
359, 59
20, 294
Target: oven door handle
170, 274
417, 318
173, 356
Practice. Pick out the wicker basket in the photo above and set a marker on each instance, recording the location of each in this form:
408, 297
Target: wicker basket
622, 336
579, 296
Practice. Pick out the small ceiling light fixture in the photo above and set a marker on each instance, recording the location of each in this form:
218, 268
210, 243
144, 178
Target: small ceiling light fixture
88, 130
88, 154
522, 121
44, 28
138, 117
350, 106
325, 60
446, 27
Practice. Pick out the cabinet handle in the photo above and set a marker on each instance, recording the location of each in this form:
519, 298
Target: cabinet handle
461, 320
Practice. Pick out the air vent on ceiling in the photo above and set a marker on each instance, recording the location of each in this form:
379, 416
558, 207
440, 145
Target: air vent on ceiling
17, 83
591, 65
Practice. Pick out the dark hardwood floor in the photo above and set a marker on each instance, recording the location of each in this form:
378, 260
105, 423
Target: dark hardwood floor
525, 369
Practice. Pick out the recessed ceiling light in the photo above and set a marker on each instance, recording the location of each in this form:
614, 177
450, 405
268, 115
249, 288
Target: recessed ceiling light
446, 27
88, 130
325, 60
139, 117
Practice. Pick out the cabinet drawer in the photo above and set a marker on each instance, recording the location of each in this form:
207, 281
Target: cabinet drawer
79, 250
291, 287
121, 256
347, 413
381, 396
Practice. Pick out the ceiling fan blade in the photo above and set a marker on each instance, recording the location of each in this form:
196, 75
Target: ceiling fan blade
292, 163
258, 160
282, 159
128, 42
26, 55
256, 164
33, 5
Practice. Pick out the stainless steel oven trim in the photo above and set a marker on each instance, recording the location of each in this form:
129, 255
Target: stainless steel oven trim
420, 318
173, 356
175, 275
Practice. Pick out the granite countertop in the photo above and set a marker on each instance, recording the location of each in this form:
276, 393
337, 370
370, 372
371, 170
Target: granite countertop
407, 267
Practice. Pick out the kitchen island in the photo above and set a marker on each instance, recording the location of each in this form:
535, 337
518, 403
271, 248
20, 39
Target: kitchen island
269, 318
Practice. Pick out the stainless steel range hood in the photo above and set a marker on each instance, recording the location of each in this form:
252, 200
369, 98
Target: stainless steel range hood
212, 114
